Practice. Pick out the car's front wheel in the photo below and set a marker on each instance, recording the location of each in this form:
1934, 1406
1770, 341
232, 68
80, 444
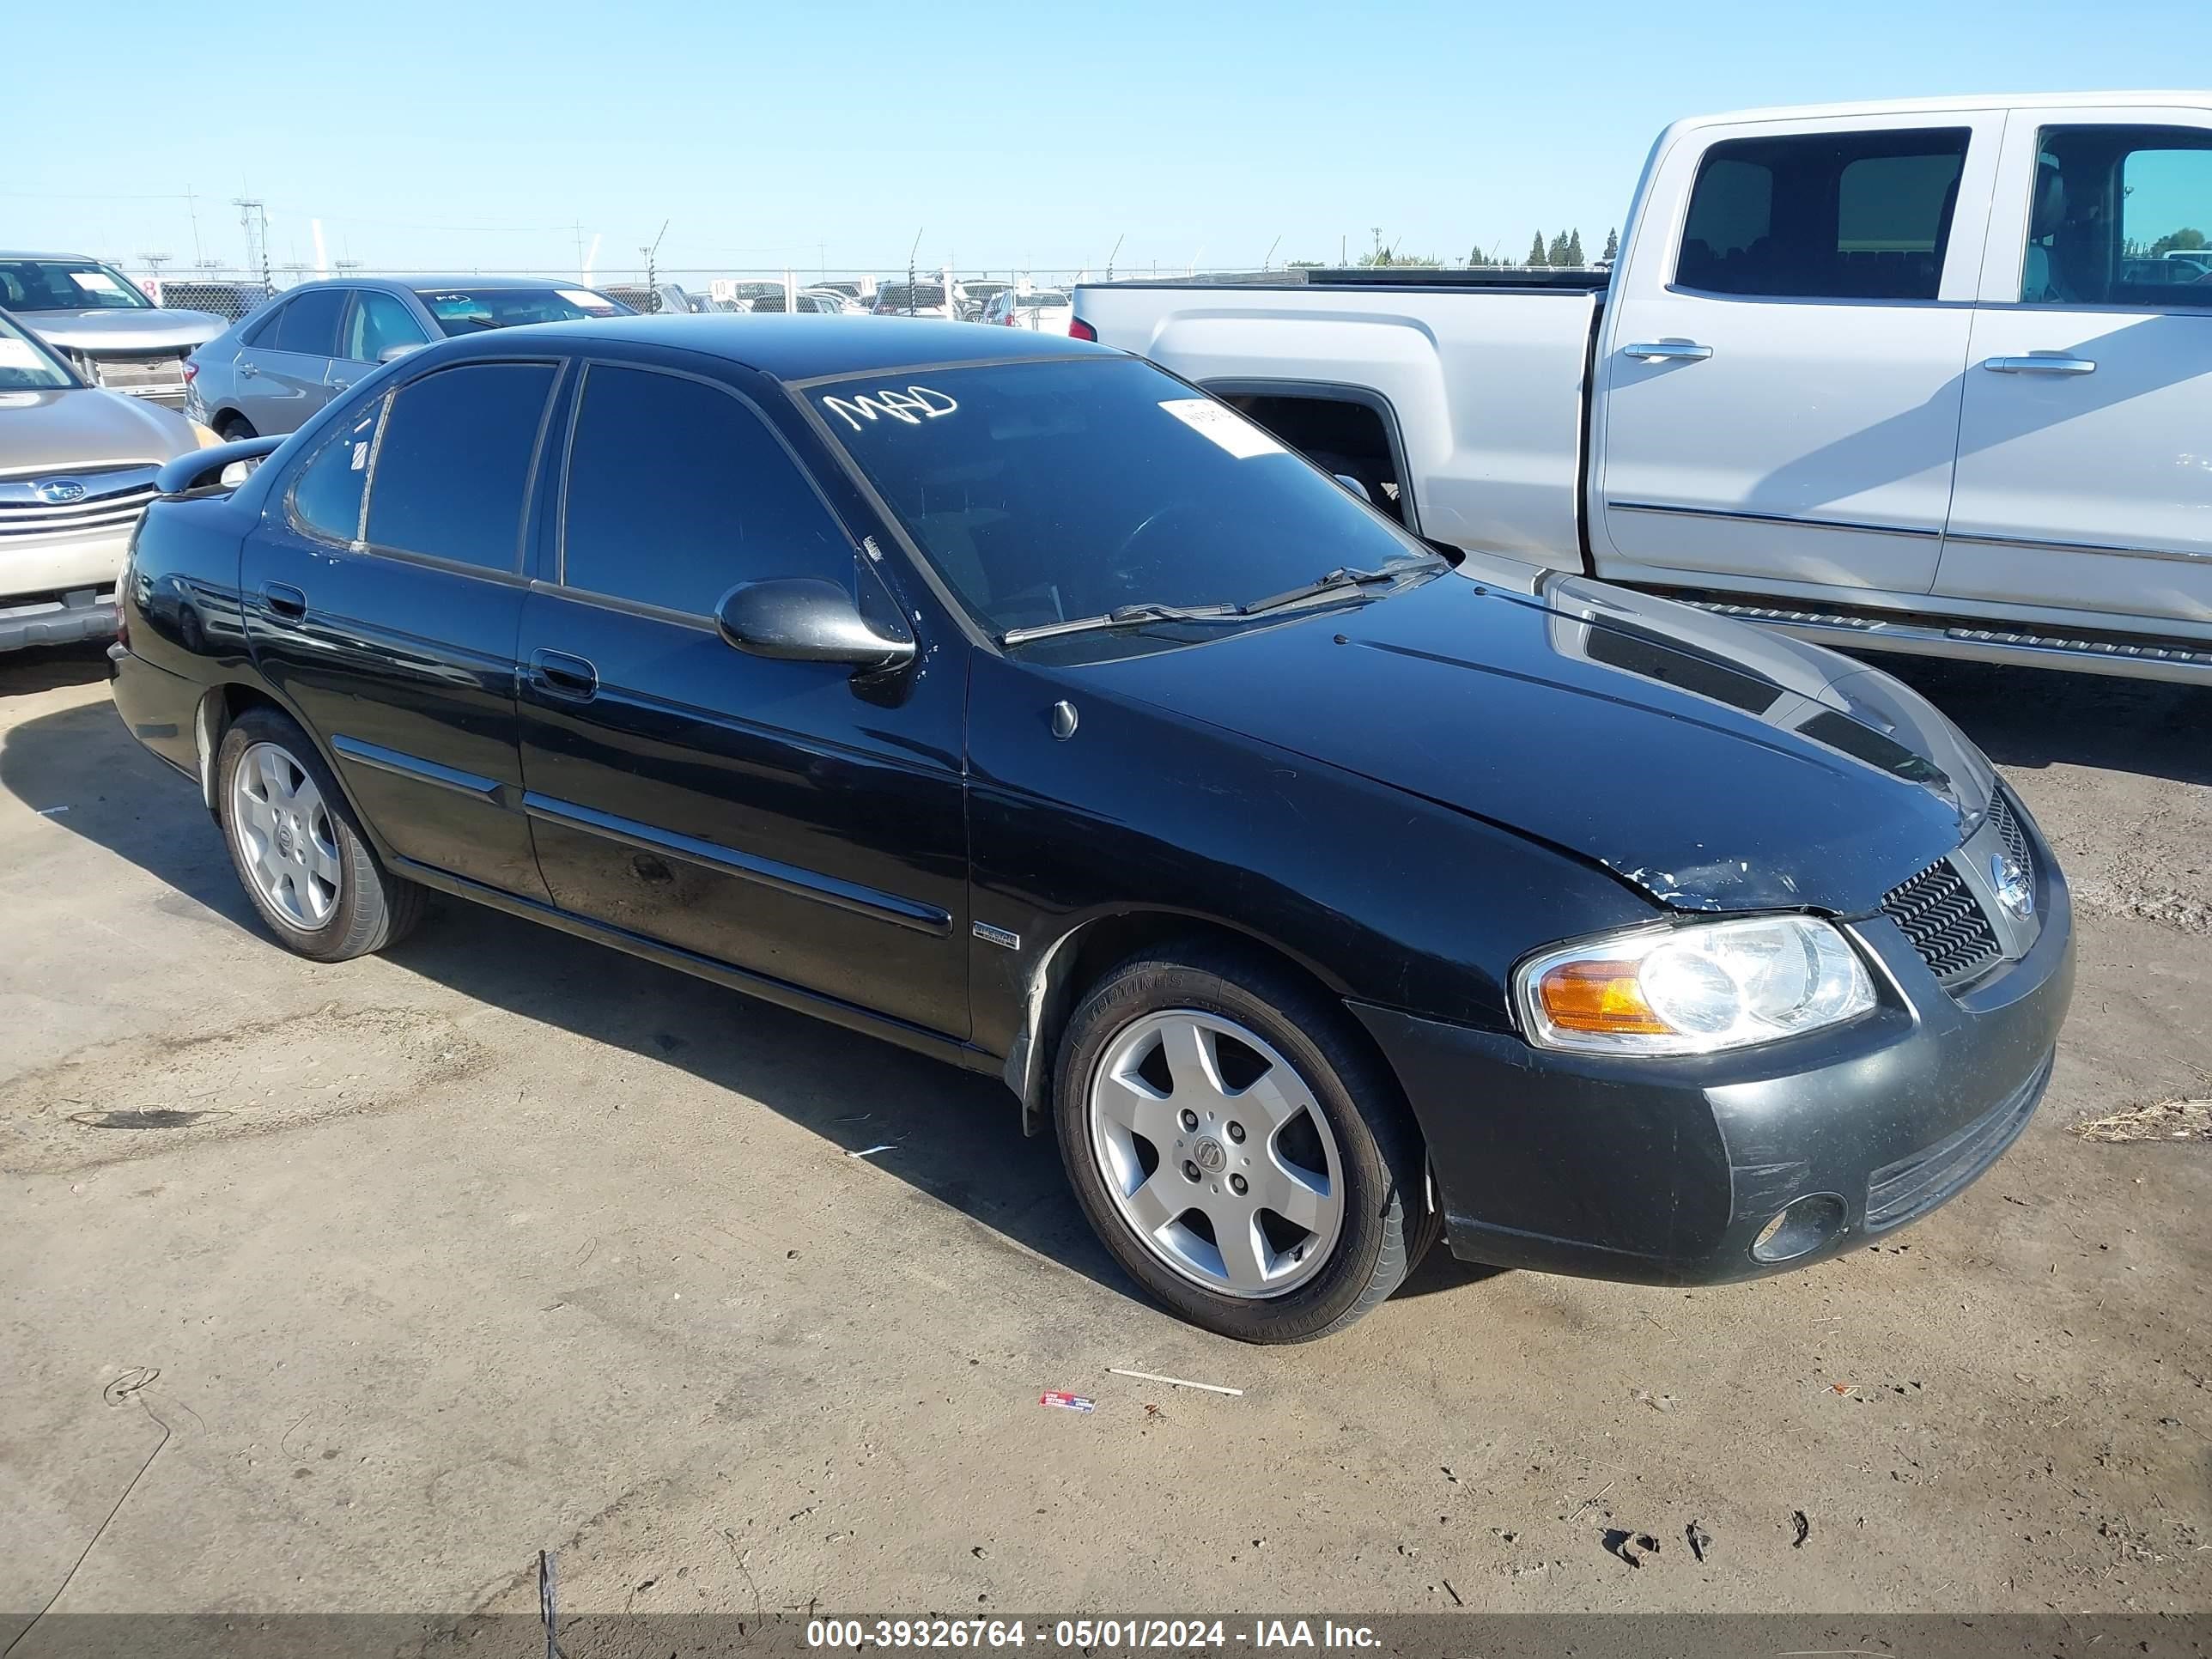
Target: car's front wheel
299, 854
1239, 1147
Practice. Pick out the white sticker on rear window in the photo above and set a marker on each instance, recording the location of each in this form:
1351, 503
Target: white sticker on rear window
1224, 425
911, 406
95, 282
15, 354
361, 455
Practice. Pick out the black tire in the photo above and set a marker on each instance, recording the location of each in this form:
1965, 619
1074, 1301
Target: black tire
1386, 1225
373, 908
235, 429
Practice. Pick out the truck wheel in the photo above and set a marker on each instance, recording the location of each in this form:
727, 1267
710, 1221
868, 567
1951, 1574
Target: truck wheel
299, 854
1240, 1152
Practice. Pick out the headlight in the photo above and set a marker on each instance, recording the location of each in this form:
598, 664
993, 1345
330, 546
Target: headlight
1693, 989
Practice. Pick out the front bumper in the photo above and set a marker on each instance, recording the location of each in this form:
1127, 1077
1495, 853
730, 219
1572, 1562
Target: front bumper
1665, 1171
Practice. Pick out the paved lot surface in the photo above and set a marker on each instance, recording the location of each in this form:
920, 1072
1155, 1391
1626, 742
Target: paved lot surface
508, 1242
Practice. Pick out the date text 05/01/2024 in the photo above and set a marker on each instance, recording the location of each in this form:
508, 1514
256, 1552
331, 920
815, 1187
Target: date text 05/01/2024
1164, 1634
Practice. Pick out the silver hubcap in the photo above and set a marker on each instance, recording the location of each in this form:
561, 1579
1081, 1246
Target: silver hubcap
1215, 1153
286, 840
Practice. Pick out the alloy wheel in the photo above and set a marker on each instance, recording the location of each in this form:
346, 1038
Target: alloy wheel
286, 841
1215, 1153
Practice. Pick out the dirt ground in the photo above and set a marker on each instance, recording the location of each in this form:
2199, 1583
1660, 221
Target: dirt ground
506, 1242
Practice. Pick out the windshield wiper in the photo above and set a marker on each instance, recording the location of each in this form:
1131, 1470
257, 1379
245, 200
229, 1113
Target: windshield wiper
1345, 576
1122, 616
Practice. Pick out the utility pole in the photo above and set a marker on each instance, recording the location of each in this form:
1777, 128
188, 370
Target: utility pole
1378, 244
652, 255
253, 220
1267, 262
912, 254
1118, 240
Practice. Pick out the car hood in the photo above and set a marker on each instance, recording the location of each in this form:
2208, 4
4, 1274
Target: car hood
102, 331
78, 430
1712, 765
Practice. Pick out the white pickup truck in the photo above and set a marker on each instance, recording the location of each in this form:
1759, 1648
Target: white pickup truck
1908, 376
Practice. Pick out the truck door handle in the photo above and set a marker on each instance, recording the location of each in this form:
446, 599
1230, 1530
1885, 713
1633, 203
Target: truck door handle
1683, 351
285, 599
562, 675
2044, 363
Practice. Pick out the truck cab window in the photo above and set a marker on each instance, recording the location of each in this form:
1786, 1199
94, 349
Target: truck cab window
2120, 217
1862, 215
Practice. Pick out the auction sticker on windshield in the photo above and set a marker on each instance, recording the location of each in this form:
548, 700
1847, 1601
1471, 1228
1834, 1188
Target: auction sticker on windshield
14, 354
597, 304
95, 282
1224, 425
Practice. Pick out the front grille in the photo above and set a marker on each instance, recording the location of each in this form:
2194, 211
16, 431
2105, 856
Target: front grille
112, 501
1939, 914
2008, 830
1912, 1186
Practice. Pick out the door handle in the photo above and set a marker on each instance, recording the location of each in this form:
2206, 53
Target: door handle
2044, 363
1660, 351
246, 370
341, 385
285, 599
562, 675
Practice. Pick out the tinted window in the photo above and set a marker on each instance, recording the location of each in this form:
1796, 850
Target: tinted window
454, 466
677, 493
1048, 491
310, 322
327, 496
262, 331
2120, 215
378, 322
1828, 215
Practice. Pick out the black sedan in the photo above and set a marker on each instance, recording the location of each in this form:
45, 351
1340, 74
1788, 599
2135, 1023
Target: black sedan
1007, 698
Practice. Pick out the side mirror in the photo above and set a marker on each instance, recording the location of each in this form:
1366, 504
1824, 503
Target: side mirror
804, 619
1354, 486
393, 354
200, 468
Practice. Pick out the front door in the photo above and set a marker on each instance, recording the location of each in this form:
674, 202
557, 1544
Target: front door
1780, 392
2085, 466
780, 817
395, 637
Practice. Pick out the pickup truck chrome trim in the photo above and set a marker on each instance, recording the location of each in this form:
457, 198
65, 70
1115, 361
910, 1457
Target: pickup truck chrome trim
1775, 518
2179, 554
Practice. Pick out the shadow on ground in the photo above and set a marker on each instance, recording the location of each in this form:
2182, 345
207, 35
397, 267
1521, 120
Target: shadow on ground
953, 1134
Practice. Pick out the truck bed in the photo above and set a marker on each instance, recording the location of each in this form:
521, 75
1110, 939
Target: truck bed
1413, 279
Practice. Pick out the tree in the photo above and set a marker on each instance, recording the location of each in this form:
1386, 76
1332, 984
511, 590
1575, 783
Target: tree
1536, 251
1557, 256
1575, 248
1612, 246
2185, 240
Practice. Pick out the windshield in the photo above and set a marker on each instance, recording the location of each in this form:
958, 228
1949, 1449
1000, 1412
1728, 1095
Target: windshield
471, 310
24, 366
1048, 491
67, 285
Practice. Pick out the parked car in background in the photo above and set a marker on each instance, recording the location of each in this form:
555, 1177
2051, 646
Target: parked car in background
1046, 310
76, 469
810, 302
1323, 899
919, 300
976, 296
1878, 374
98, 318
270, 372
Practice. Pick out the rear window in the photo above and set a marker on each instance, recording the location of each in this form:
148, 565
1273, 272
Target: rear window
472, 310
1041, 300
1827, 216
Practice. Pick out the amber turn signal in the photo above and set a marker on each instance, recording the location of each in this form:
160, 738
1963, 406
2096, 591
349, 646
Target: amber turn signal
1597, 996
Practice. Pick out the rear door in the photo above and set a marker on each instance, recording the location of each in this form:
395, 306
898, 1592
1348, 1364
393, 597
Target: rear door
384, 594
784, 817
1781, 383
283, 374
2083, 478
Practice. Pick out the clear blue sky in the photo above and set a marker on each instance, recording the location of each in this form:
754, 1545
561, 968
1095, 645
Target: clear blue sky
1028, 134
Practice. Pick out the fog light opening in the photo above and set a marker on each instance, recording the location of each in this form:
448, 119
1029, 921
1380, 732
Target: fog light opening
1800, 1227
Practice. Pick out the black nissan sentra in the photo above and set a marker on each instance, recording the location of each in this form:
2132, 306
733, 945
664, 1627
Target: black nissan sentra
1009, 699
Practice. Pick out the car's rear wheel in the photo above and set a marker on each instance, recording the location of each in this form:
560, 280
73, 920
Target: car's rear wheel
299, 854
236, 429
1239, 1148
